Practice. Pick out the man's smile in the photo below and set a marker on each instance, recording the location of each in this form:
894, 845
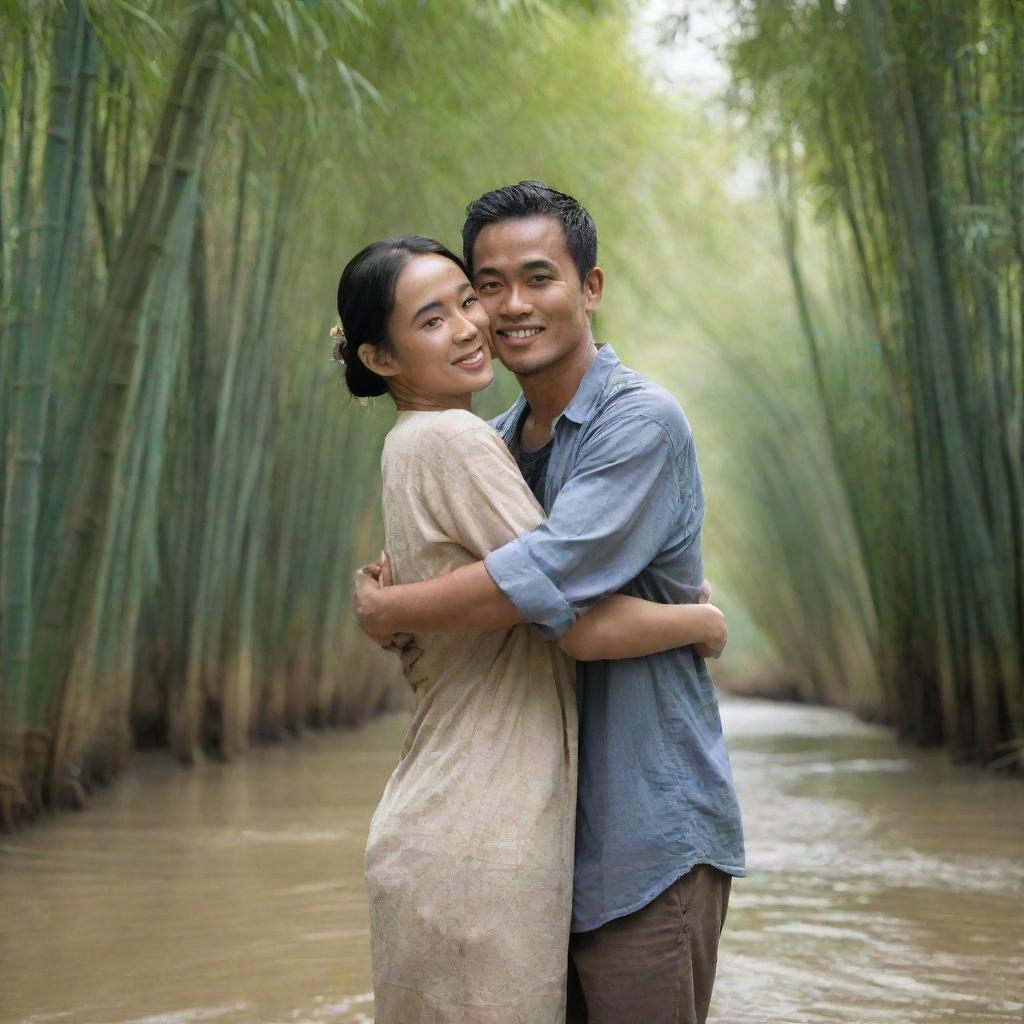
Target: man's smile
520, 333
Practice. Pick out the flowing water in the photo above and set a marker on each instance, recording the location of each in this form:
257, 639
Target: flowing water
885, 886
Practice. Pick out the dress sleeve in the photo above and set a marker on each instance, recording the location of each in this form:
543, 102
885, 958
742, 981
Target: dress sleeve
477, 495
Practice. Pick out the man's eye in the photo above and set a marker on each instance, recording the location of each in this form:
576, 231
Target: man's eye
488, 286
540, 277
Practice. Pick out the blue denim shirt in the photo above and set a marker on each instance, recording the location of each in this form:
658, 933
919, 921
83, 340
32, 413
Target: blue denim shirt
625, 505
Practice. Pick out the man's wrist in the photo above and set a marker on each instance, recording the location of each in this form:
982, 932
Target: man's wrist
374, 618
710, 620
371, 607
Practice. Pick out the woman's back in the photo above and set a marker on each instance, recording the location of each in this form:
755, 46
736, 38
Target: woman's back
469, 860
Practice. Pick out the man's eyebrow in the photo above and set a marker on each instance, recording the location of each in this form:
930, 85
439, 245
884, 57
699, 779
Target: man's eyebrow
437, 303
529, 265
540, 265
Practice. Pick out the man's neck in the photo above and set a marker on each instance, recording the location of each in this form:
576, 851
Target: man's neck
549, 391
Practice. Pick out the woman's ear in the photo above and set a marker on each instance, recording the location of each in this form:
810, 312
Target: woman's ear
376, 359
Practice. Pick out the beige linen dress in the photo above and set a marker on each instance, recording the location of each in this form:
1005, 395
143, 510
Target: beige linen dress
469, 857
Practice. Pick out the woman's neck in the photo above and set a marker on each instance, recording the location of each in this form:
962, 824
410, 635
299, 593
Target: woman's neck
406, 401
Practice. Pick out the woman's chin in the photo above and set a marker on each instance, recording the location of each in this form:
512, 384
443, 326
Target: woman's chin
485, 381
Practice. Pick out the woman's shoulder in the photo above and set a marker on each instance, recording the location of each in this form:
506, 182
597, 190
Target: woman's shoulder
447, 446
439, 433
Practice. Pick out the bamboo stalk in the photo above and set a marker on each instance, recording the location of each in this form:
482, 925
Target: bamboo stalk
177, 147
919, 202
44, 306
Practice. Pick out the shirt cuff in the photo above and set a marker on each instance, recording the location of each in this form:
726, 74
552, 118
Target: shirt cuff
520, 579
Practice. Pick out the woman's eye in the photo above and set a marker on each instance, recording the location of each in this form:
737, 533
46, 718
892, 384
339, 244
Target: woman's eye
469, 301
433, 321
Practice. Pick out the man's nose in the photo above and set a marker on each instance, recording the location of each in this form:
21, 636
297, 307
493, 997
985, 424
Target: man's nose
516, 302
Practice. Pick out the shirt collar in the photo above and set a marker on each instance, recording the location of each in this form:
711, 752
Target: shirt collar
583, 403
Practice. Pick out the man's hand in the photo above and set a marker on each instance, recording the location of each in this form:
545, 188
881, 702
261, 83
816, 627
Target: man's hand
368, 585
716, 644
381, 570
367, 600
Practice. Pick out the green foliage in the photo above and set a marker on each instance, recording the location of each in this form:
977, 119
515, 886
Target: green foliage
196, 487
899, 123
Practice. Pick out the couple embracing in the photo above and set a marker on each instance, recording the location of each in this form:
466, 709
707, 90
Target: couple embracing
569, 530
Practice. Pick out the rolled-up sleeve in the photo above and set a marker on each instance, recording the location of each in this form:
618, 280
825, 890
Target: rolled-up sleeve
524, 583
615, 513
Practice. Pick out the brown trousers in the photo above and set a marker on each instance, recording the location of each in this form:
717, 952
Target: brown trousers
655, 966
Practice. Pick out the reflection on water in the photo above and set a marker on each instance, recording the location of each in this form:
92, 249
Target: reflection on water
885, 886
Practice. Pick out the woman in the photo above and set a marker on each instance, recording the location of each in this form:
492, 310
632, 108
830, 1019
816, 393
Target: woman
469, 857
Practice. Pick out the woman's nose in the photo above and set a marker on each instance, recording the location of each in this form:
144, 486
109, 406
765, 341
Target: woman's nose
465, 330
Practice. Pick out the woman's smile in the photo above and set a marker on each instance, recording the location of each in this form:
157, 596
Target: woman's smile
472, 360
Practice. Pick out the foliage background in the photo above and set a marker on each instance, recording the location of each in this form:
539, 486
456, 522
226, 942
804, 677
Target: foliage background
826, 271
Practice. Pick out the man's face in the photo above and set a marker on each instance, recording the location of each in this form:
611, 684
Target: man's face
529, 286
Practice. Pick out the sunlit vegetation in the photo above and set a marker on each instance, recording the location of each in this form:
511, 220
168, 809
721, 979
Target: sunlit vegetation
881, 540
186, 488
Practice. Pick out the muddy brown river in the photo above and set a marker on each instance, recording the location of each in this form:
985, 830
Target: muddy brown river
885, 886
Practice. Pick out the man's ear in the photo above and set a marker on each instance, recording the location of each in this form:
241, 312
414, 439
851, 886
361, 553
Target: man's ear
376, 359
593, 289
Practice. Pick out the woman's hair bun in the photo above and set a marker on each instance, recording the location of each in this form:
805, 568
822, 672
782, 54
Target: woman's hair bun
362, 381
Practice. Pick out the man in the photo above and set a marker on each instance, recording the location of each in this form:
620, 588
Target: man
610, 457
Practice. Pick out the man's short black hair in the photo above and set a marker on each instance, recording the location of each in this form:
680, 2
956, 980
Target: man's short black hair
526, 199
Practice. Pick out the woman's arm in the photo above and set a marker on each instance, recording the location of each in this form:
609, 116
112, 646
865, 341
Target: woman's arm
629, 627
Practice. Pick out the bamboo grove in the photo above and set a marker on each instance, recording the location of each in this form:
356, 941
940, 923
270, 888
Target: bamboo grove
892, 435
186, 489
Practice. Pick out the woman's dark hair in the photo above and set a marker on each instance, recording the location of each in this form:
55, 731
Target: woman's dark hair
527, 199
366, 300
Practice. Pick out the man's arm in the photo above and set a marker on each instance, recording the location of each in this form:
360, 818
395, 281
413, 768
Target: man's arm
621, 626
464, 601
606, 525
626, 501
616, 627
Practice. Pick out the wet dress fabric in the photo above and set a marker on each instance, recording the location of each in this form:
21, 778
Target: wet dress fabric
469, 856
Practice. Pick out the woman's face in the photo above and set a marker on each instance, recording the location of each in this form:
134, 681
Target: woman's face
439, 334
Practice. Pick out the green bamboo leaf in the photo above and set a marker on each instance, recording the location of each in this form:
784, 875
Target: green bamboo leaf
358, 11
314, 30
252, 55
143, 16
260, 24
287, 15
243, 73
